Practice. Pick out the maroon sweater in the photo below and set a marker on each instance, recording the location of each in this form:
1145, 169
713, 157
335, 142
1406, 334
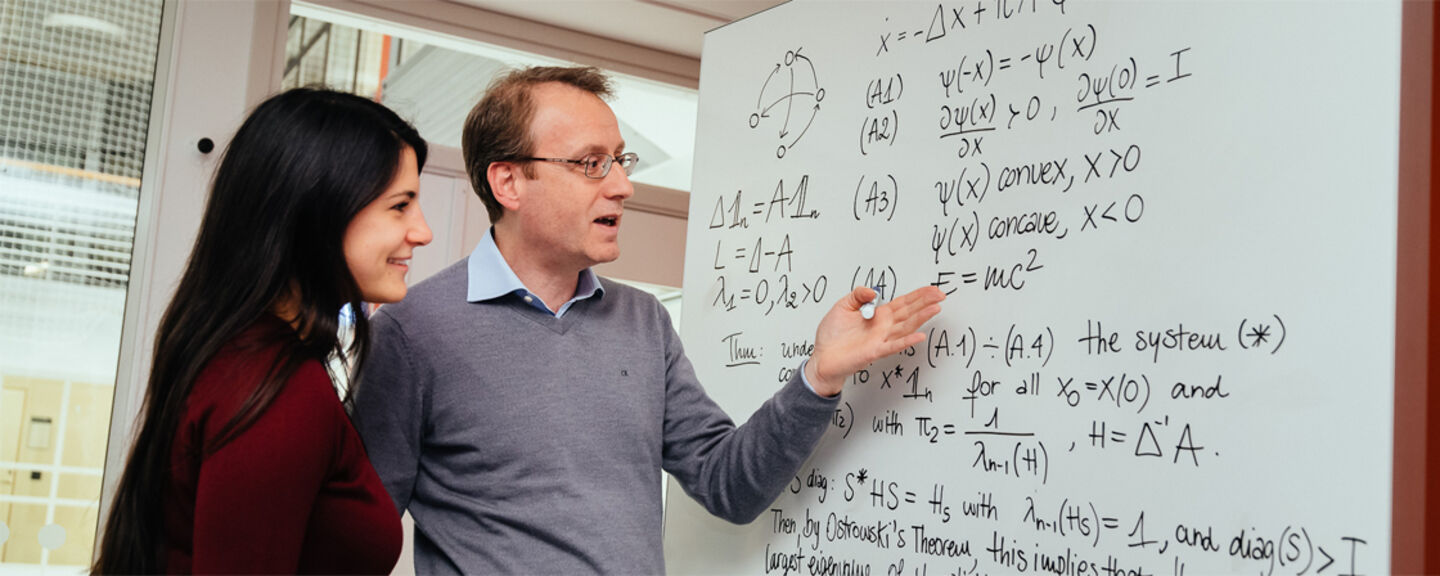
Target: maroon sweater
293, 493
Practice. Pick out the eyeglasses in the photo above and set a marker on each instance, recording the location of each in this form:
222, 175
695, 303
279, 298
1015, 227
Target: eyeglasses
596, 165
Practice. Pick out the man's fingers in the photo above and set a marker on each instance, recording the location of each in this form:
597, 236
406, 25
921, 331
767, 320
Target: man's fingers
916, 300
907, 300
857, 298
913, 322
910, 327
916, 303
894, 346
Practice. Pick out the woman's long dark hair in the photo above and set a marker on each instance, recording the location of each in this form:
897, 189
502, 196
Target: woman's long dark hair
295, 174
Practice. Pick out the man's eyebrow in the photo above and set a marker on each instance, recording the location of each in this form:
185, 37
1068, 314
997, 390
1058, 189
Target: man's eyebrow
601, 148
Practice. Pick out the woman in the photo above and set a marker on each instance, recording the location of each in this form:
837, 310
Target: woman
245, 461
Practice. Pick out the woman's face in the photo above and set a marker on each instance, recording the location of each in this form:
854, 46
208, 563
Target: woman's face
383, 236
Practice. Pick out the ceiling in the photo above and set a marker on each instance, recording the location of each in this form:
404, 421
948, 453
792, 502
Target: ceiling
674, 26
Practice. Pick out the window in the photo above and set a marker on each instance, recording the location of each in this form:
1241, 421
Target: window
76, 79
433, 80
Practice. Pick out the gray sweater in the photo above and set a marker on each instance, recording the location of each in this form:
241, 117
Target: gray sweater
524, 443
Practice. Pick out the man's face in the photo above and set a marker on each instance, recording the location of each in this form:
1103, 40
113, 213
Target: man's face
570, 221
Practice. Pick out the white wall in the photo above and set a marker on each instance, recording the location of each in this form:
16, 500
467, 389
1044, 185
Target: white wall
203, 87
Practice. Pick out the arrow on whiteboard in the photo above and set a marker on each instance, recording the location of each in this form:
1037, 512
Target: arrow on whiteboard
813, 112
765, 112
761, 98
789, 105
814, 78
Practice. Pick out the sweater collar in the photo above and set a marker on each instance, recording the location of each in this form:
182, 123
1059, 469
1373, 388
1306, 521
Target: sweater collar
490, 277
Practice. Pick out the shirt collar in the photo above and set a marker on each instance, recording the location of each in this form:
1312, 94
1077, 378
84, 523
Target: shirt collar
490, 277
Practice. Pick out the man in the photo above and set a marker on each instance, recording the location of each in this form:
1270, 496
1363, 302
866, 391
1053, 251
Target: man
521, 408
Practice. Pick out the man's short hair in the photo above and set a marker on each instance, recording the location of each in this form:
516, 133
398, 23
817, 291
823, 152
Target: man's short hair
498, 127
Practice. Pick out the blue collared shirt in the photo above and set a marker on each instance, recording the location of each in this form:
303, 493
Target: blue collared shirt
490, 277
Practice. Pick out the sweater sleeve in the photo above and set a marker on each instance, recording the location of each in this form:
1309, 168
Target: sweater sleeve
254, 495
388, 409
736, 473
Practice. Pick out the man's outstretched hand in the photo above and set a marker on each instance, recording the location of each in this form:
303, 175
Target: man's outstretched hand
846, 342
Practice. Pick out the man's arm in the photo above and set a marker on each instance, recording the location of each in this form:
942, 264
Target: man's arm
737, 472
389, 408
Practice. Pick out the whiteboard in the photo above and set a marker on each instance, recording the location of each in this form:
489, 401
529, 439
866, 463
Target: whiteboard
1167, 231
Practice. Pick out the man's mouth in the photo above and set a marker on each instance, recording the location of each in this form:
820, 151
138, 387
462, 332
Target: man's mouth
611, 221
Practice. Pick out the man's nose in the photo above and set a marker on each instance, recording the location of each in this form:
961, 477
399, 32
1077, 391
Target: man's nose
617, 184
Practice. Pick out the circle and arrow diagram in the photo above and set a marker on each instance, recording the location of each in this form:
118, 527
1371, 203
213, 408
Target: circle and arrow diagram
790, 96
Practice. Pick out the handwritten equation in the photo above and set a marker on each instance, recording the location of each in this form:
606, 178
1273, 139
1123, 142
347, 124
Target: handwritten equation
1125, 378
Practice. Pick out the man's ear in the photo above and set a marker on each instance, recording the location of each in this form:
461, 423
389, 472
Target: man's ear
506, 182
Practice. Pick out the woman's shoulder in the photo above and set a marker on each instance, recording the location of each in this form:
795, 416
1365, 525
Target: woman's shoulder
241, 364
228, 381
